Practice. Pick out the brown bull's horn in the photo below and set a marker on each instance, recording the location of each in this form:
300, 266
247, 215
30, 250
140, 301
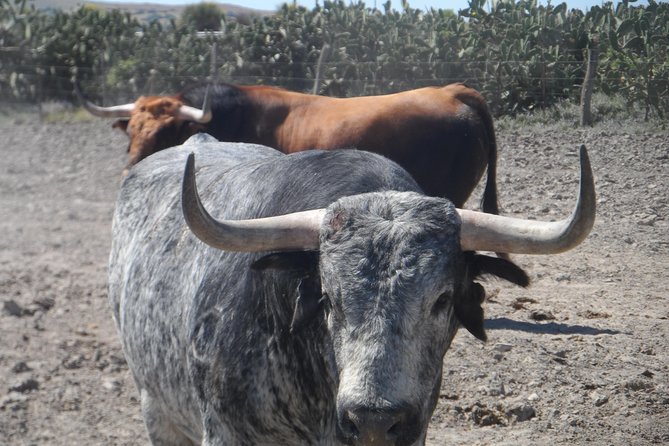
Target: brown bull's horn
292, 232
487, 232
116, 111
201, 116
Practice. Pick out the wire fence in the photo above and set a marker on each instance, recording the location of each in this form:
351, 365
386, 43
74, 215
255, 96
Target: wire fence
55, 81
519, 55
59, 87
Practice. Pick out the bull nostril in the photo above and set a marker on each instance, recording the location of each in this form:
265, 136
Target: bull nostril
394, 431
373, 426
348, 426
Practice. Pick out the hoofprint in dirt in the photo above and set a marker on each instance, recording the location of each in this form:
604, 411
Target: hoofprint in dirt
579, 357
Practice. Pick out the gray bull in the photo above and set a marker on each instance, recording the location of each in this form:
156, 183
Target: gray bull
323, 308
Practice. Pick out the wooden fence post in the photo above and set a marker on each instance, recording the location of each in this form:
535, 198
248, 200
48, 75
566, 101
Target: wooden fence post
588, 85
213, 68
319, 67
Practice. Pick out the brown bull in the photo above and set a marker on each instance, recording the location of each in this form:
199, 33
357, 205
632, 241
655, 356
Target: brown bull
443, 136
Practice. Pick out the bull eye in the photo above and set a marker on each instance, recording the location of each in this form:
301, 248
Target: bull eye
443, 302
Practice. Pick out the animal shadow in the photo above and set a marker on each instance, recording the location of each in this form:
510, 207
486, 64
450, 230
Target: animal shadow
552, 328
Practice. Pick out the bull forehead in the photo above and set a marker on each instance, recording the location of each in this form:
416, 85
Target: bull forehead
157, 106
384, 250
150, 115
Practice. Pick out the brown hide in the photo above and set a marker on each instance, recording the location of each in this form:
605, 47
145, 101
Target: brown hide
423, 129
442, 135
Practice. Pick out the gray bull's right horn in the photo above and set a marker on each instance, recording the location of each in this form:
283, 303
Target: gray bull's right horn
487, 232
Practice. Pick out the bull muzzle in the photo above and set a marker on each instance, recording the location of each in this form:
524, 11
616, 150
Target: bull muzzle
479, 231
394, 426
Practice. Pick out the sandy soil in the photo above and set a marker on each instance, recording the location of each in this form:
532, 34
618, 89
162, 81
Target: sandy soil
580, 357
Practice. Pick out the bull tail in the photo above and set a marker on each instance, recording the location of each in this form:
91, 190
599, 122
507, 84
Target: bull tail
475, 101
489, 198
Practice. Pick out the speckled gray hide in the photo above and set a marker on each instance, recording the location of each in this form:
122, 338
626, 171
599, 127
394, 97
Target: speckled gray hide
208, 338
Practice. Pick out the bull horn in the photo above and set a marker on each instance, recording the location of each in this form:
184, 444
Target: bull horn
201, 116
487, 232
116, 111
298, 231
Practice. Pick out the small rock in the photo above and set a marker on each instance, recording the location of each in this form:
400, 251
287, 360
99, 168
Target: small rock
589, 314
563, 278
21, 367
483, 416
501, 347
540, 315
561, 354
646, 350
636, 384
648, 220
46, 303
73, 362
70, 400
24, 385
111, 385
599, 399
81, 331
496, 386
522, 412
13, 309
533, 397
14, 401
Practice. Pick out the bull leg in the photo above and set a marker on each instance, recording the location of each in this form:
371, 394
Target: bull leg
160, 429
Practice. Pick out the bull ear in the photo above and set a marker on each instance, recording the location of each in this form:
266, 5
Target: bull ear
121, 124
298, 261
307, 304
468, 307
503, 268
469, 312
304, 263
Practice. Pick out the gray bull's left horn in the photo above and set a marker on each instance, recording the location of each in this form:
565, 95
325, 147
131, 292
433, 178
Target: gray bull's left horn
292, 232
201, 116
487, 232
116, 111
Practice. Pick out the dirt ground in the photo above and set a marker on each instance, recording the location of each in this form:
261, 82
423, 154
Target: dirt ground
580, 357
